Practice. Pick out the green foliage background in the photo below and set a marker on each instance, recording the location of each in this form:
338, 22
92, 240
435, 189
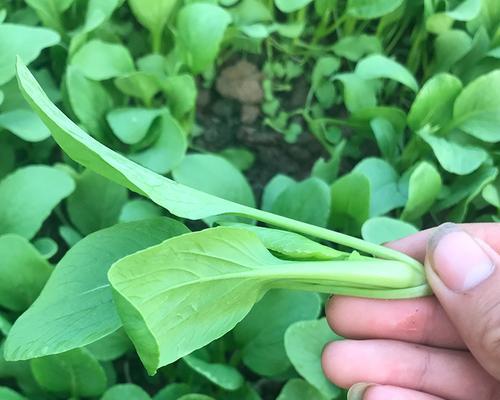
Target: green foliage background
398, 100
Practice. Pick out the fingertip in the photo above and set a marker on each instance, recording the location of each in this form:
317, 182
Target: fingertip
335, 362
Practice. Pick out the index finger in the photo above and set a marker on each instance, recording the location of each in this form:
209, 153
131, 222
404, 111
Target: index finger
415, 245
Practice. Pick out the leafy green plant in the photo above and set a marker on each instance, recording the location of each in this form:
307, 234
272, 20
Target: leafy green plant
248, 142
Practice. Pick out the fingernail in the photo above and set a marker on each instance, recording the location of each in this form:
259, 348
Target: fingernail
358, 390
458, 259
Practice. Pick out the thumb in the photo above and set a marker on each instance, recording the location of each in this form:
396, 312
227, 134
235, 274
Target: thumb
464, 273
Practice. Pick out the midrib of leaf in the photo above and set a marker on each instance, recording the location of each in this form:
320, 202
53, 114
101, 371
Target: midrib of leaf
320, 275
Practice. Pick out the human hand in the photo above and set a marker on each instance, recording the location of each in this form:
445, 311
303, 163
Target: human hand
442, 347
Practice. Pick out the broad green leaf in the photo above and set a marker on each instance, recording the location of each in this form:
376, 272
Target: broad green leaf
24, 41
477, 108
5, 326
368, 9
355, 47
304, 343
153, 14
200, 28
433, 104
181, 94
454, 157
386, 136
215, 175
307, 201
491, 193
350, 202
23, 272
172, 391
98, 12
240, 157
273, 189
292, 245
381, 230
75, 307
195, 396
50, 11
359, 94
288, 6
89, 100
466, 10
163, 311
131, 125
124, 391
484, 176
28, 196
450, 46
424, 187
168, 150
385, 194
261, 333
137, 209
110, 347
100, 60
299, 389
223, 375
96, 202
378, 66
74, 373
139, 84
9, 394
24, 124
465, 188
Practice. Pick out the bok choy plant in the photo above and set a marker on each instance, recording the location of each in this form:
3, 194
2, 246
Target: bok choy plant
177, 295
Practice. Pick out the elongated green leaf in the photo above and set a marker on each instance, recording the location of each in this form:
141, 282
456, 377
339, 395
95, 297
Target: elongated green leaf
385, 195
24, 124
273, 189
299, 389
131, 125
384, 229
293, 245
350, 202
23, 272
96, 202
215, 175
434, 102
454, 157
168, 150
74, 373
307, 201
477, 108
379, 66
180, 200
368, 9
75, 308
24, 41
223, 375
50, 11
28, 195
288, 6
9, 394
424, 187
153, 14
99, 60
201, 27
163, 310
110, 347
261, 333
125, 391
304, 342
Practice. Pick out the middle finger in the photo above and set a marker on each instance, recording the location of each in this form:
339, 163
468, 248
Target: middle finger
420, 320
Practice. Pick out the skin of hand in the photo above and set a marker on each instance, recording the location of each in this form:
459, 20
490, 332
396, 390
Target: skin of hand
445, 346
